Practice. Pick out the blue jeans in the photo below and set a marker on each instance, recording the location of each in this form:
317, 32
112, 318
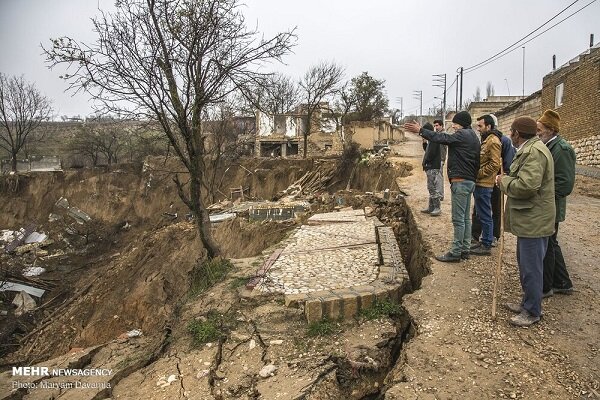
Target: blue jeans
530, 257
483, 208
461, 216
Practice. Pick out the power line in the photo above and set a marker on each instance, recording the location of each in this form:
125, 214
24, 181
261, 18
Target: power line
517, 43
536, 36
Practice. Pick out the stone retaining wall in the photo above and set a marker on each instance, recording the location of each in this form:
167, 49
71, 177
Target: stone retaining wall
587, 150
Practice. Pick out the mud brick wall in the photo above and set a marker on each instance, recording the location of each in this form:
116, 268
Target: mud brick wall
580, 110
530, 106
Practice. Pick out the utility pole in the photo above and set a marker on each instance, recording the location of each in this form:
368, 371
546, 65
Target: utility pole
523, 47
440, 81
456, 99
418, 94
461, 89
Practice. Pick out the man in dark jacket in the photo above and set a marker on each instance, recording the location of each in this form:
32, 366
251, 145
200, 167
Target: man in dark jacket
432, 161
463, 166
556, 277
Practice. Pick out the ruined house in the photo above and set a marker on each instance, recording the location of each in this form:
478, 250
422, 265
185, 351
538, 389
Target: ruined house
282, 135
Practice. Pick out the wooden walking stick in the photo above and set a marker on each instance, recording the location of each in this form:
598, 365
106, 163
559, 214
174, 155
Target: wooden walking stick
500, 251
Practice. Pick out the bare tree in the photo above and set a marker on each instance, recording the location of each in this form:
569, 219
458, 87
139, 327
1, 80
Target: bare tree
22, 110
489, 89
477, 95
167, 61
282, 94
275, 94
319, 83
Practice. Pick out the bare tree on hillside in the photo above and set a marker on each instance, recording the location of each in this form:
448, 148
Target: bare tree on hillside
320, 82
22, 109
167, 61
95, 139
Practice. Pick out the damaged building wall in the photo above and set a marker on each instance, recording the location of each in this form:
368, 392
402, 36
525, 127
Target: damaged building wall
369, 133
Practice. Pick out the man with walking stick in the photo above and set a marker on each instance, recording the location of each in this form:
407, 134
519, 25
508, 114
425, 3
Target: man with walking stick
529, 214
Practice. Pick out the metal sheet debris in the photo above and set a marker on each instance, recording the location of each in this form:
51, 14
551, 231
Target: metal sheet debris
221, 217
36, 237
18, 287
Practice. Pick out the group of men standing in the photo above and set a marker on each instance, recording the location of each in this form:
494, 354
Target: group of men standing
534, 168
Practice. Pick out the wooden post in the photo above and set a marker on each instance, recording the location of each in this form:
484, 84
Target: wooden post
500, 251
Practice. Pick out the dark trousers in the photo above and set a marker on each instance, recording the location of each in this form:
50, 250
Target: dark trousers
530, 257
496, 207
555, 269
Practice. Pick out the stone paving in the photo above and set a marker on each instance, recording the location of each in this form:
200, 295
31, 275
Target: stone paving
334, 266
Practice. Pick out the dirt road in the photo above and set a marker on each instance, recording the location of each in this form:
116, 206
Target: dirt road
460, 352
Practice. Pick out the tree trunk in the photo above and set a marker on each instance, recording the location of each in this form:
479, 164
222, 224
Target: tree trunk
13, 162
201, 215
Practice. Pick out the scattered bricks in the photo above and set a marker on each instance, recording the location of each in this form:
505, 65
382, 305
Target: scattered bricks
313, 310
294, 300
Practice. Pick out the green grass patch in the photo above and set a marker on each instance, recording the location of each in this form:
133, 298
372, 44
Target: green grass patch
324, 327
207, 273
206, 331
239, 281
380, 309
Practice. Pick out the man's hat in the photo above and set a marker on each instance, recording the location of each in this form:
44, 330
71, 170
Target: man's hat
550, 119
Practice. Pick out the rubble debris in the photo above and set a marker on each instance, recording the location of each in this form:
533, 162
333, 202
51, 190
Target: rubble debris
74, 212
7, 235
131, 334
19, 238
36, 237
24, 303
33, 271
164, 381
54, 217
18, 287
267, 371
26, 248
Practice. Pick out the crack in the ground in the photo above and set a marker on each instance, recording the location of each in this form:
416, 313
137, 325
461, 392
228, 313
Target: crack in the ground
182, 391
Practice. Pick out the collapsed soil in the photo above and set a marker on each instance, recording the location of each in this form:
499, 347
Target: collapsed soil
131, 267
455, 349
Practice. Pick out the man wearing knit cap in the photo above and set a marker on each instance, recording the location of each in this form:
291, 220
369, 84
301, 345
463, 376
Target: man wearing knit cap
463, 165
556, 277
529, 214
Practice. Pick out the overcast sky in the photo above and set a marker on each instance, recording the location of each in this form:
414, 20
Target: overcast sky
404, 42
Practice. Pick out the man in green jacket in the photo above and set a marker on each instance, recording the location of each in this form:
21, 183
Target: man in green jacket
556, 277
529, 214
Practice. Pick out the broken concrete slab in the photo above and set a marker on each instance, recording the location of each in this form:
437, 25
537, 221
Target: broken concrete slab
214, 218
18, 287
